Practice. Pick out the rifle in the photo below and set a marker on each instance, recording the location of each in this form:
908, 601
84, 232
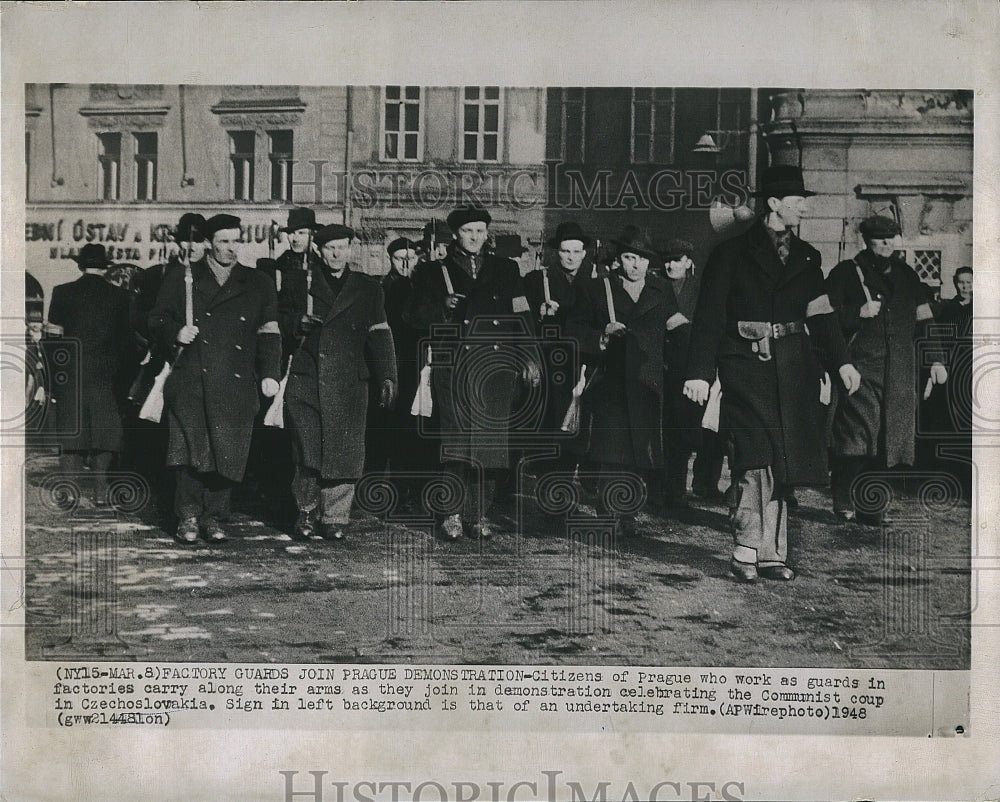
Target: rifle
152, 409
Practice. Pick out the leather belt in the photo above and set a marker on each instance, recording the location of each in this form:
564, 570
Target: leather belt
761, 333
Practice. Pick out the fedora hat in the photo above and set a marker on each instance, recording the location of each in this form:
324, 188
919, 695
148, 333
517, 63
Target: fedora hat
92, 255
509, 246
635, 240
190, 228
781, 180
568, 230
301, 217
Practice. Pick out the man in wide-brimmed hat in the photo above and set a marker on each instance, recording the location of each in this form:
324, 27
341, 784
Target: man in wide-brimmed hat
94, 313
624, 320
300, 229
334, 316
758, 292
473, 306
229, 354
881, 306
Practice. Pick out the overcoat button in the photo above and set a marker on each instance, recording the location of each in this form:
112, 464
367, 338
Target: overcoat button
208, 314
239, 347
237, 376
496, 322
496, 347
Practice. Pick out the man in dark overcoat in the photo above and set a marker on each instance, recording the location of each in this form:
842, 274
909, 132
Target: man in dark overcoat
393, 441
473, 305
758, 292
147, 441
89, 404
334, 315
880, 304
626, 400
551, 293
681, 417
230, 355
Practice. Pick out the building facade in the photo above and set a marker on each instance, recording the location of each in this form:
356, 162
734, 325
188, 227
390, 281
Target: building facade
119, 163
905, 154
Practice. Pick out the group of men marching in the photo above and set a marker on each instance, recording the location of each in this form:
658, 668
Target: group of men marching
430, 369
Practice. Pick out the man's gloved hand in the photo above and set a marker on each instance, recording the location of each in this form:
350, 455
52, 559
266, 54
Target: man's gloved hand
387, 399
851, 378
549, 308
871, 309
187, 334
308, 324
269, 387
612, 330
697, 390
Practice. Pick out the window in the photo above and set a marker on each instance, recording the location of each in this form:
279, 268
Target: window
927, 265
652, 126
109, 160
242, 147
481, 111
402, 137
567, 112
281, 164
145, 166
27, 164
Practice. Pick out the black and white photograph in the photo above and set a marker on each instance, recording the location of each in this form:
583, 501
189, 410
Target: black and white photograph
616, 405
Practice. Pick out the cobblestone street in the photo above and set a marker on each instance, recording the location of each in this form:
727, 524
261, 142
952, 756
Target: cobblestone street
116, 584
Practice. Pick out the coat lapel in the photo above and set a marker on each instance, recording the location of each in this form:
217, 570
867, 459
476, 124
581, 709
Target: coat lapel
649, 298
319, 287
234, 286
348, 293
762, 252
798, 259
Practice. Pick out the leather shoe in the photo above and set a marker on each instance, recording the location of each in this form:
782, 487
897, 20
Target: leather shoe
187, 531
305, 527
331, 531
744, 572
213, 531
780, 573
451, 528
845, 515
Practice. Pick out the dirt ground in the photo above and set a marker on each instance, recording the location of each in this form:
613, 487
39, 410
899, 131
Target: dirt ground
117, 586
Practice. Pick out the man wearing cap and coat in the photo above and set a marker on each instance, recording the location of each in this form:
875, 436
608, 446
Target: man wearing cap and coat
231, 354
881, 305
393, 436
473, 306
146, 441
627, 398
552, 293
758, 291
88, 405
335, 316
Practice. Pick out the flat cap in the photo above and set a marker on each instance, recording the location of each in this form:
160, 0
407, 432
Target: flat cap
466, 215
676, 249
878, 227
329, 233
221, 222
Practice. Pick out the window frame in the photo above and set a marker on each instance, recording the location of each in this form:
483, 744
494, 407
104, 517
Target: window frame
649, 156
145, 159
275, 160
482, 102
250, 159
103, 160
402, 132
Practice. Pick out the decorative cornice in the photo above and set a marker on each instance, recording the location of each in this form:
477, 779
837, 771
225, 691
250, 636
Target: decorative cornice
125, 116
928, 184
